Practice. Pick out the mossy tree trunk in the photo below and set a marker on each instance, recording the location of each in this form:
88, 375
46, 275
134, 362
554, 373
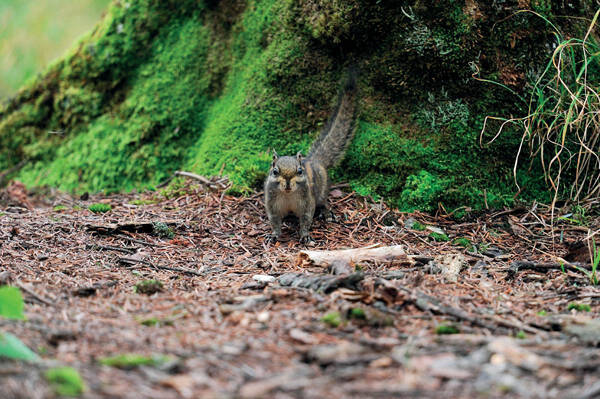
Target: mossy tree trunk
204, 85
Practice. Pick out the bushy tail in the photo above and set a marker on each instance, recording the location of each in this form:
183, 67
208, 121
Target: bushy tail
335, 137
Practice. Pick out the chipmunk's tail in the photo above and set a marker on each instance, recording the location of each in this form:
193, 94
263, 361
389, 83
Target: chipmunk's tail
335, 137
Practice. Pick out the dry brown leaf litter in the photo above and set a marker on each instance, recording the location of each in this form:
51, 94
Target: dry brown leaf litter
235, 336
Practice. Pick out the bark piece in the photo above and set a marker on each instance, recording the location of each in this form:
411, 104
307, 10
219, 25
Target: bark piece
354, 255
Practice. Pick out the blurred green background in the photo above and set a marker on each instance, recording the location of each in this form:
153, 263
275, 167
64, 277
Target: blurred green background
35, 32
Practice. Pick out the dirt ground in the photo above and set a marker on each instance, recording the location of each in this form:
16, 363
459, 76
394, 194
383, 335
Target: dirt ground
505, 314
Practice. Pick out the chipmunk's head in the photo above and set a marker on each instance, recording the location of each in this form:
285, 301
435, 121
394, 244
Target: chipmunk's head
287, 173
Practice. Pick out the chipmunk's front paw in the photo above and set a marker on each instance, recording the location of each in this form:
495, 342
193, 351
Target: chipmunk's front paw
271, 238
329, 216
307, 240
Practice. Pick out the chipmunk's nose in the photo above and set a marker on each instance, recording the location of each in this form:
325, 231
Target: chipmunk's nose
287, 185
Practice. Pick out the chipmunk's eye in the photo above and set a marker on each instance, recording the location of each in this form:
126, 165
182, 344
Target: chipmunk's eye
300, 171
275, 172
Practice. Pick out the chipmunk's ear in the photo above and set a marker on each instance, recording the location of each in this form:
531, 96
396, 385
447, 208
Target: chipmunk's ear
275, 158
299, 157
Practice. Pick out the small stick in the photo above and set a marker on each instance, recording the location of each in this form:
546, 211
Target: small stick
164, 183
126, 237
111, 248
173, 269
194, 176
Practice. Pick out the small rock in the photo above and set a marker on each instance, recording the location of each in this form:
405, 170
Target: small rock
263, 317
409, 223
382, 362
343, 353
336, 193
302, 336
493, 252
263, 278
587, 330
450, 265
394, 275
509, 350
436, 230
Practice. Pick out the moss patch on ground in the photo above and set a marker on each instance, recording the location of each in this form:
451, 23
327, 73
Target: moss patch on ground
217, 85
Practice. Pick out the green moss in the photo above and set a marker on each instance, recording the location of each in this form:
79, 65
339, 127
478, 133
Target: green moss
100, 208
419, 226
357, 313
141, 202
438, 236
65, 381
521, 335
464, 242
156, 322
162, 230
332, 319
132, 360
580, 307
208, 86
443, 329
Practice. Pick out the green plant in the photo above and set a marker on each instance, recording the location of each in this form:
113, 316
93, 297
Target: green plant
100, 208
13, 348
59, 208
580, 307
140, 202
357, 314
521, 335
561, 126
11, 307
133, 360
439, 236
419, 226
577, 216
156, 322
443, 329
162, 230
11, 303
332, 319
595, 260
482, 247
66, 381
464, 242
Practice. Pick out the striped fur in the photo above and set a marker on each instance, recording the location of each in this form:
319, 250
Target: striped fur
329, 148
299, 186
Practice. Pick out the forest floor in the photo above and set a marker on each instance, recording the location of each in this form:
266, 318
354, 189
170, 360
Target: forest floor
233, 316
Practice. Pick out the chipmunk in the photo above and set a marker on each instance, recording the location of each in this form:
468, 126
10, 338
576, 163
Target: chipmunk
297, 185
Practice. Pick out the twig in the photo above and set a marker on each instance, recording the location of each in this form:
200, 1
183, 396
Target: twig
142, 242
194, 176
111, 248
164, 183
428, 303
173, 269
